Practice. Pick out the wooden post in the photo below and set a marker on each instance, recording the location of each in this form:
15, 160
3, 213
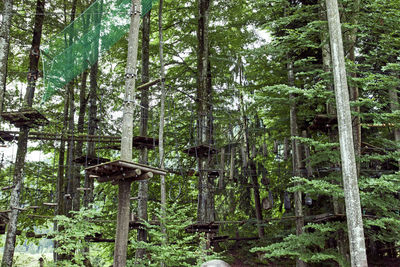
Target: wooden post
121, 239
349, 168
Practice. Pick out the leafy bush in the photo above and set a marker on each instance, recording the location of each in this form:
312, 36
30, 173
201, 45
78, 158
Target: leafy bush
176, 248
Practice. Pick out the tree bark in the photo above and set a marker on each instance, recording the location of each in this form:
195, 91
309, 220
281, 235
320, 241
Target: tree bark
250, 165
349, 168
92, 127
394, 106
18, 178
4, 47
297, 162
338, 205
144, 119
162, 122
353, 89
60, 188
71, 172
121, 240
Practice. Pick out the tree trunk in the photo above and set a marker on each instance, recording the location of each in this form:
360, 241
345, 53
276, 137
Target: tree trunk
144, 119
161, 128
349, 168
81, 124
338, 205
92, 126
205, 210
394, 106
60, 188
82, 111
297, 162
4, 47
18, 180
353, 89
162, 122
71, 172
121, 240
250, 165
93, 121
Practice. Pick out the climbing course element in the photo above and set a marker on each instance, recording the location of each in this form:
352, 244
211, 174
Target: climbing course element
79, 45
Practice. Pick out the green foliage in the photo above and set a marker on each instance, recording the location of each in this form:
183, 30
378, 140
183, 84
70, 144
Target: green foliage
71, 235
309, 246
176, 248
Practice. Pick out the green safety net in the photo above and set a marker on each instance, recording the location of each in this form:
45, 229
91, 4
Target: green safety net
79, 45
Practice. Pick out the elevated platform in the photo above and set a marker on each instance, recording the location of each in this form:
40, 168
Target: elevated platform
144, 142
50, 204
323, 123
202, 228
219, 239
139, 225
6, 137
25, 117
90, 161
200, 151
120, 170
137, 142
7, 188
210, 173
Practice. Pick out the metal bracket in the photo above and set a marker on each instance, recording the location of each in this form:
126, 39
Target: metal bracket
128, 101
131, 75
136, 10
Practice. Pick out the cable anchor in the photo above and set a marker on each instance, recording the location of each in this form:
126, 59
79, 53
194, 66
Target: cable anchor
136, 9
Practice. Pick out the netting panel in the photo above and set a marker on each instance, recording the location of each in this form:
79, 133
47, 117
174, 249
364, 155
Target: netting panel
79, 45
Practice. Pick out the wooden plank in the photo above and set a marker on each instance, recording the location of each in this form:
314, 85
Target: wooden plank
126, 164
49, 204
144, 176
121, 176
143, 167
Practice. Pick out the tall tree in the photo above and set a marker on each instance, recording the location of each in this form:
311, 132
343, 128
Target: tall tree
162, 122
205, 212
144, 120
18, 180
349, 168
4, 47
297, 161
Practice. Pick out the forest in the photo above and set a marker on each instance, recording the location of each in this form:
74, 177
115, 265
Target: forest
175, 133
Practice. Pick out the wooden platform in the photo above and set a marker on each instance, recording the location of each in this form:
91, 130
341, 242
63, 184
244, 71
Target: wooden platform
6, 137
200, 151
202, 228
6, 188
144, 142
137, 142
120, 170
218, 239
323, 123
137, 224
210, 173
90, 161
25, 117
50, 204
